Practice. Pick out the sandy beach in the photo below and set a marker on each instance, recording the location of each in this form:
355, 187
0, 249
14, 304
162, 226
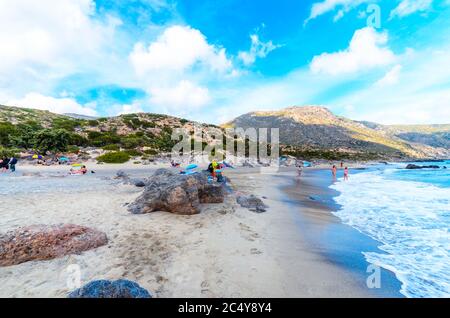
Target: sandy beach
226, 251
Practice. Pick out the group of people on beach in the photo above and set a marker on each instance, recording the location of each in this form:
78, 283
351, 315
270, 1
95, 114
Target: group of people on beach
8, 164
334, 170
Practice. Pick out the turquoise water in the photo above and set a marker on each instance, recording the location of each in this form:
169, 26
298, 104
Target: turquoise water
408, 212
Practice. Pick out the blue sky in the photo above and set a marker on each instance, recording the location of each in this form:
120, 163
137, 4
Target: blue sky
211, 60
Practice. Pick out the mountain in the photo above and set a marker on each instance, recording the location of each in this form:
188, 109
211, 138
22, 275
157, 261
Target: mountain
314, 130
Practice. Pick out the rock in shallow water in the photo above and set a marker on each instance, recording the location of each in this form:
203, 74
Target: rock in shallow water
180, 194
110, 289
414, 167
45, 242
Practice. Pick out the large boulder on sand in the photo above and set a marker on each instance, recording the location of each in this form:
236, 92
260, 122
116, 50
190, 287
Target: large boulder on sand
110, 289
180, 194
44, 242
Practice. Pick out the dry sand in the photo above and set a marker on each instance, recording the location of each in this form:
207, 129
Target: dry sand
226, 251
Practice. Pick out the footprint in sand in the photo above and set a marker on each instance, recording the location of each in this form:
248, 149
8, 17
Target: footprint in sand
255, 251
248, 234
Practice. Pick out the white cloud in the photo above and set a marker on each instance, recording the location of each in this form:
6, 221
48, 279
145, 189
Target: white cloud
49, 35
391, 77
182, 98
44, 41
408, 7
320, 8
129, 109
177, 49
258, 49
422, 97
56, 105
366, 51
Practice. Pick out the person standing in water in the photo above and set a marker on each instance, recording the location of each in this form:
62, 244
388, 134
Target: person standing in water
334, 172
346, 174
12, 164
299, 165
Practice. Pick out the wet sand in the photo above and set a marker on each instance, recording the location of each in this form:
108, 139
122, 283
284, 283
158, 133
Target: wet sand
326, 235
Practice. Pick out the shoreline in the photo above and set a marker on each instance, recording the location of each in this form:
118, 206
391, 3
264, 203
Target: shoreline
341, 244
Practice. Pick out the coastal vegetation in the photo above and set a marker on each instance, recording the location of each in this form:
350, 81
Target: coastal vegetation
114, 157
42, 132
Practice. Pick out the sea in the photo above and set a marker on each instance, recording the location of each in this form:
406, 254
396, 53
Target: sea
408, 213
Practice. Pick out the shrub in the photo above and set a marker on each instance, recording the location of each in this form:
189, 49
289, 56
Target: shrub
131, 142
51, 140
73, 149
65, 123
99, 139
111, 147
152, 152
114, 157
8, 153
6, 131
133, 152
78, 140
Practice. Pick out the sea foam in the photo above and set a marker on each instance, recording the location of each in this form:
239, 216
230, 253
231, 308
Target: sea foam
410, 219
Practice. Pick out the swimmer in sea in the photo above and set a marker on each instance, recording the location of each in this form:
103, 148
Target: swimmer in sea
334, 172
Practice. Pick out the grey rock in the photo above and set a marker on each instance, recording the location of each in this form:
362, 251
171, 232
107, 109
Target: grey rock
168, 191
138, 183
252, 203
416, 167
122, 174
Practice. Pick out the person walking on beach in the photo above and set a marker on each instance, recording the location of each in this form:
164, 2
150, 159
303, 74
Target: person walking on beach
346, 174
12, 164
334, 172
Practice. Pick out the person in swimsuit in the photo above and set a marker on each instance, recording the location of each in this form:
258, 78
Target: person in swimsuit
334, 172
346, 173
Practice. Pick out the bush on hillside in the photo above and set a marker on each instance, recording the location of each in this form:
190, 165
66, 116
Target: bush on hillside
133, 152
112, 147
114, 157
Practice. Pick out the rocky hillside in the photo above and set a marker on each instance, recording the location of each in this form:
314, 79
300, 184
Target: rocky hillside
315, 131
134, 131
432, 135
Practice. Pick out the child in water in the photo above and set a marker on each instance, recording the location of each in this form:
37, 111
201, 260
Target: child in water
346, 173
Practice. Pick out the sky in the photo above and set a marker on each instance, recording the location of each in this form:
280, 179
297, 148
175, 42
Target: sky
386, 61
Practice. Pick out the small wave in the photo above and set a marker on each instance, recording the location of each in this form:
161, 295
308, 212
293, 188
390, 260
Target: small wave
411, 219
